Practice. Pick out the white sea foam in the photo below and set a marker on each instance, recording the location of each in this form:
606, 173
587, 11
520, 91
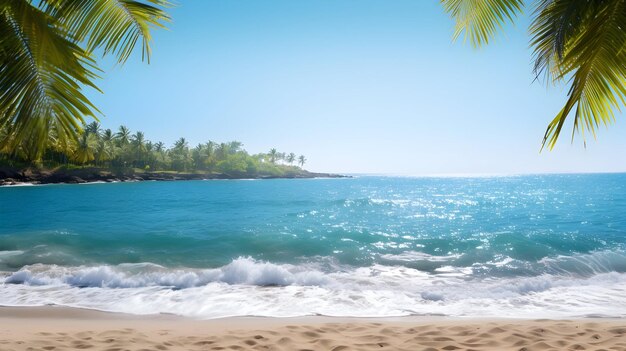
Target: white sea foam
10, 253
243, 271
412, 256
249, 287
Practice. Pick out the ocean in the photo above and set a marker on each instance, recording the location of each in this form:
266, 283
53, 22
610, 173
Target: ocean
537, 246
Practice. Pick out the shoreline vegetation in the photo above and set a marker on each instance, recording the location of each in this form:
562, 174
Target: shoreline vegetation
107, 156
9, 176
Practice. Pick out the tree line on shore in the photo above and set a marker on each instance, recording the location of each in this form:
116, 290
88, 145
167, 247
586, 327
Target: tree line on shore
122, 149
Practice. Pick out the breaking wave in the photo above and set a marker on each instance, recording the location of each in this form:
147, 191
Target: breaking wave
248, 287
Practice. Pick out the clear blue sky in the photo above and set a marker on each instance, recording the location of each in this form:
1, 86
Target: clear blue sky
361, 86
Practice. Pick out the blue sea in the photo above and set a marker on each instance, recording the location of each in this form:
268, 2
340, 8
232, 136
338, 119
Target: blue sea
549, 246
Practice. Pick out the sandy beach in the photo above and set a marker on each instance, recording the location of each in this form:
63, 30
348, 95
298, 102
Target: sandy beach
59, 328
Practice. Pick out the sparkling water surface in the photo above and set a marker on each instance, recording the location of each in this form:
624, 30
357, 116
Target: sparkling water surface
528, 246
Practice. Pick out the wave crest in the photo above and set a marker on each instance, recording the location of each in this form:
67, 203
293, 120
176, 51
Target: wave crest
239, 289
243, 271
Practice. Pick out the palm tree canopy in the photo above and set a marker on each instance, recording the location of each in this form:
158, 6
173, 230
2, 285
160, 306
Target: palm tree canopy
578, 41
93, 128
123, 135
107, 135
159, 146
85, 147
46, 59
273, 154
235, 146
180, 143
138, 138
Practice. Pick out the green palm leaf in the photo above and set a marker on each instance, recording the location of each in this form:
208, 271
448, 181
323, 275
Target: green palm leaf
479, 20
112, 25
46, 61
591, 54
41, 73
581, 42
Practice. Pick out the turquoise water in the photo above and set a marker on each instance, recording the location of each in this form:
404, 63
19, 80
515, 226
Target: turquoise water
550, 245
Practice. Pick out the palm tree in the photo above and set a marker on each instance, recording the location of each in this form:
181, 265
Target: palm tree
61, 147
181, 159
138, 141
93, 128
273, 154
139, 149
234, 146
104, 151
583, 42
106, 148
159, 156
85, 148
107, 136
301, 160
123, 135
281, 156
47, 51
159, 146
291, 158
210, 146
210, 150
222, 151
198, 155
180, 144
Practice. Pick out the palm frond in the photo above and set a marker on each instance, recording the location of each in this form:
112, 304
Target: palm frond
41, 73
479, 20
554, 24
591, 56
115, 26
46, 60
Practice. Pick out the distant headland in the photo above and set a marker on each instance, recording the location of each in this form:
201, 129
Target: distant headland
11, 176
106, 156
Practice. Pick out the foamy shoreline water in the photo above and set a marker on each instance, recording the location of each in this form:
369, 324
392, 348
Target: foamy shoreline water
251, 288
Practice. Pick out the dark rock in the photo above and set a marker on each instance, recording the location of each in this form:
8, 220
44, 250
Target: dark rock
75, 180
10, 176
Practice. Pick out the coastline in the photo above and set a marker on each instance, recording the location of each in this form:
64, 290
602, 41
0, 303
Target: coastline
61, 328
14, 177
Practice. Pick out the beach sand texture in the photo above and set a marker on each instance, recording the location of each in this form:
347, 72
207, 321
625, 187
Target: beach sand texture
71, 329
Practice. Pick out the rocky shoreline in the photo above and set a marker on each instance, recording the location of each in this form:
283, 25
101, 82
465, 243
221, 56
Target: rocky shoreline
95, 175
